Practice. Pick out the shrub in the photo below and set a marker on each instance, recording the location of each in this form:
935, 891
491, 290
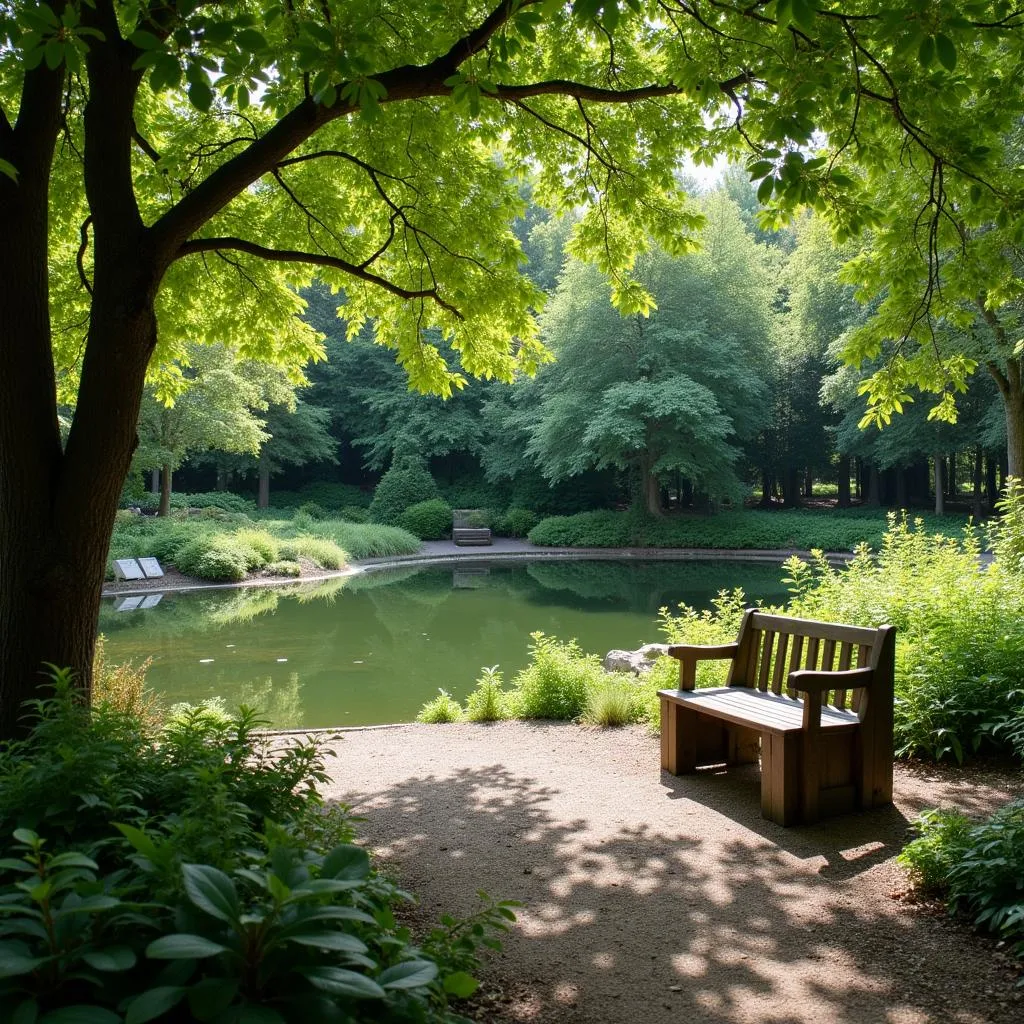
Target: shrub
516, 522
442, 709
121, 689
556, 682
285, 567
487, 703
225, 891
428, 520
213, 558
943, 839
311, 510
979, 868
406, 483
260, 547
611, 703
354, 514
321, 550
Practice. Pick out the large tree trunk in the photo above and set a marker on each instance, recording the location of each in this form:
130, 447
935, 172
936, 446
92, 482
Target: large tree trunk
940, 494
652, 494
1014, 407
874, 491
57, 510
263, 497
166, 483
843, 479
977, 502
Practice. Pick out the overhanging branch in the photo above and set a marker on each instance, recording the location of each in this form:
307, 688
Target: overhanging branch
218, 245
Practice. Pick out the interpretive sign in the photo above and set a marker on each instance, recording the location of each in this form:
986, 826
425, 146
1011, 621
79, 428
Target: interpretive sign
128, 569
128, 604
151, 601
151, 567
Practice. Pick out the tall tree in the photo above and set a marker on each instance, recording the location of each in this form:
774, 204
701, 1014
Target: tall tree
171, 169
671, 391
212, 401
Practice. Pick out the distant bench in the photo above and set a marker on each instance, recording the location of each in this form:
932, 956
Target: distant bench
471, 535
828, 751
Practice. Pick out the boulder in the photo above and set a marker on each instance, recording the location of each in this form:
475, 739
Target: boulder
638, 662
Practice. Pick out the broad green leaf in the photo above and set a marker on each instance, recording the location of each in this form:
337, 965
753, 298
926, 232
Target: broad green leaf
209, 998
946, 51
341, 982
183, 947
926, 52
339, 942
153, 1003
410, 974
111, 958
346, 862
211, 891
460, 984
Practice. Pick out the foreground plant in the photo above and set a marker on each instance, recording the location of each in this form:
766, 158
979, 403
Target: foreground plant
195, 873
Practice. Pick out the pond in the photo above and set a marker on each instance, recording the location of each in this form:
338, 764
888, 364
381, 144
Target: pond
372, 648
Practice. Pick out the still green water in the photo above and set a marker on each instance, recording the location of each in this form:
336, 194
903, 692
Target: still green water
373, 648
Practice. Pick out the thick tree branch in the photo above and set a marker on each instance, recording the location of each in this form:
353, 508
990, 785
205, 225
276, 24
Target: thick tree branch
200, 245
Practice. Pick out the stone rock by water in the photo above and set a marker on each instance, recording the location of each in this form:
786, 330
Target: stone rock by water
638, 662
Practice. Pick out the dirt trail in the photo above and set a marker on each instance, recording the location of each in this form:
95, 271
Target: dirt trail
654, 899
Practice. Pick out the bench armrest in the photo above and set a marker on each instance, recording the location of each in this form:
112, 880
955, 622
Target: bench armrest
689, 654
703, 652
813, 681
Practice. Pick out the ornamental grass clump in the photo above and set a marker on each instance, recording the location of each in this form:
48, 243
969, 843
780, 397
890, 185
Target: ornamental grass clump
613, 702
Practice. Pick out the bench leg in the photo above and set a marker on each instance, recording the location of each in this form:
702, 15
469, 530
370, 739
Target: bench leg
780, 777
678, 738
744, 745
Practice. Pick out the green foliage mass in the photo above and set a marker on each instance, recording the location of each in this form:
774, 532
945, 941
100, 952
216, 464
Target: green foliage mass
488, 702
978, 868
515, 522
406, 483
196, 871
428, 520
440, 710
230, 546
802, 529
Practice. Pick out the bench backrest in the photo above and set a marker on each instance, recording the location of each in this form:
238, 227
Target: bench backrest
772, 646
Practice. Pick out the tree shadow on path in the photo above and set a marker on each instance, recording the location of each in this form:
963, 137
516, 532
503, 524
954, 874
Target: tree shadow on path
678, 902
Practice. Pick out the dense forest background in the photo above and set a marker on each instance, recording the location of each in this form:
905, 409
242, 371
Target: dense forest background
730, 390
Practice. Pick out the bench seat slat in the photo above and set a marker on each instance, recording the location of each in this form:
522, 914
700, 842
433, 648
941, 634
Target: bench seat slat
743, 706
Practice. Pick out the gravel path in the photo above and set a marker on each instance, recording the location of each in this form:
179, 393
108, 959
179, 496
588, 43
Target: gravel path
654, 899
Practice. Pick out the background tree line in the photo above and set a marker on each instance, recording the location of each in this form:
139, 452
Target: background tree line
732, 383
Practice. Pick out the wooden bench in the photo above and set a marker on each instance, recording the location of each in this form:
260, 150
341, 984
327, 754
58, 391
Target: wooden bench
463, 535
826, 751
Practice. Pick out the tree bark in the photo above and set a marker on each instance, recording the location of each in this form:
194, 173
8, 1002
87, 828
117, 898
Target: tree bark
940, 494
1014, 408
991, 490
874, 490
978, 502
154, 482
166, 483
843, 479
263, 497
652, 494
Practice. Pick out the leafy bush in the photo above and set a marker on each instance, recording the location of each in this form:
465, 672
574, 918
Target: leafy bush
285, 567
324, 493
311, 510
428, 520
556, 682
960, 646
121, 689
406, 483
801, 529
516, 522
442, 709
979, 868
259, 545
213, 558
354, 514
225, 890
487, 703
